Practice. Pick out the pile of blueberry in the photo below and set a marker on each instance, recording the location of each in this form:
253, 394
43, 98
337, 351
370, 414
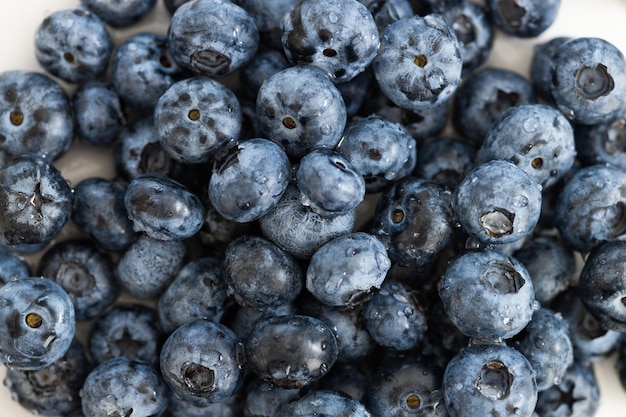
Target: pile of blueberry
291, 233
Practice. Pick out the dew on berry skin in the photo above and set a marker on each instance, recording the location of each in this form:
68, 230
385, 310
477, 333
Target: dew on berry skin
520, 201
332, 17
531, 124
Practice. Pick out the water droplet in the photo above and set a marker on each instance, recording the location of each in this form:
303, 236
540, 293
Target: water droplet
520, 201
332, 17
531, 124
325, 130
169, 214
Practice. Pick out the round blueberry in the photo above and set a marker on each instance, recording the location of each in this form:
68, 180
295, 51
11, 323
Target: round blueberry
540, 66
12, 267
267, 15
445, 161
120, 13
323, 402
524, 18
98, 113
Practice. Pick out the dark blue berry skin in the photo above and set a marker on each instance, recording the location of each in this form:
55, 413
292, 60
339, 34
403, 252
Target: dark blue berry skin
355, 91
231, 407
248, 179
445, 161
73, 45
138, 151
12, 267
591, 206
525, 18
244, 319
591, 342
550, 263
300, 109
323, 402
487, 295
264, 64
380, 150
419, 63
122, 386
37, 323
348, 325
414, 221
329, 182
54, 389
198, 291
263, 399
35, 201
602, 286
200, 362
394, 318
119, 14
195, 117
99, 211
588, 88
406, 386
212, 37
35, 116
497, 202
98, 113
540, 66
484, 96
291, 351
577, 395
347, 378
347, 270
385, 12
299, 230
546, 343
84, 272
601, 143
129, 330
163, 208
489, 379
141, 70
146, 267
259, 273
338, 36
268, 15
535, 137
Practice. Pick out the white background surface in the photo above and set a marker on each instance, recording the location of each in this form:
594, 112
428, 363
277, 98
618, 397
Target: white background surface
20, 18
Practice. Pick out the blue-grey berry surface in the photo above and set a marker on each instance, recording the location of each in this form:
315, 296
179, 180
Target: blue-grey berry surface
323, 402
98, 113
120, 13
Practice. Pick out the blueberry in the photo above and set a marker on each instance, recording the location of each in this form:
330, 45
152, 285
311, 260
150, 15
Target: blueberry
12, 267
348, 378
419, 63
163, 208
577, 394
262, 66
98, 113
35, 201
200, 362
498, 202
38, 323
445, 161
231, 407
323, 402
198, 291
36, 117
385, 12
248, 179
590, 207
550, 263
263, 399
195, 117
212, 37
291, 351
329, 182
540, 65
380, 150
73, 45
525, 18
355, 91
267, 15
99, 211
394, 317
601, 143
128, 330
259, 273
300, 109
145, 268
347, 270
588, 88
338, 36
413, 219
546, 343
486, 379
84, 272
299, 230
535, 137
120, 14
243, 319
54, 389
406, 386
487, 295
121, 386
484, 96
